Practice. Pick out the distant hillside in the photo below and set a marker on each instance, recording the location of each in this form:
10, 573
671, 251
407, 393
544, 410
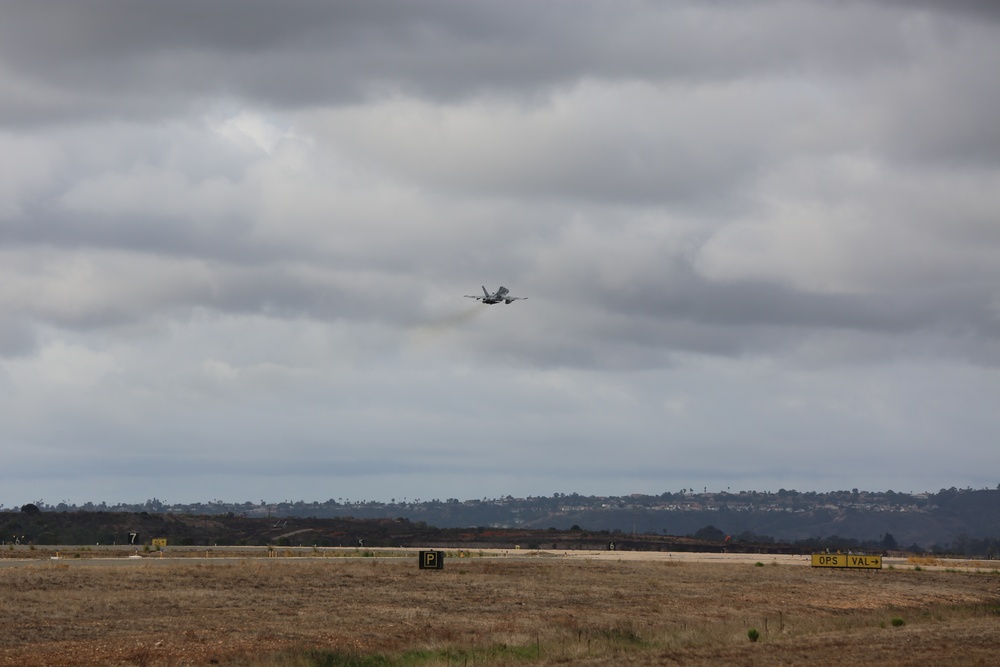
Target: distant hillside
952, 520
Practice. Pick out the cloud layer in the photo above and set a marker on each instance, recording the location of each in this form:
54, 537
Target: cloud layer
760, 241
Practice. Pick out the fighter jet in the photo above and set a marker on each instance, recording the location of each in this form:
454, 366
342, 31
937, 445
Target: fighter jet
502, 294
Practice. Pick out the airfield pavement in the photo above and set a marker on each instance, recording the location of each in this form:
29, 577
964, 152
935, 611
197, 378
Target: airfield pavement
122, 555
240, 606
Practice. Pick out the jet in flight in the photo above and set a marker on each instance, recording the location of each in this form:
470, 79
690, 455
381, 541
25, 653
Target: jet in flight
502, 294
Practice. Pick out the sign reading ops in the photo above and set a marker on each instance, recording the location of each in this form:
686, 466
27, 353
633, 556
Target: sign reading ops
848, 561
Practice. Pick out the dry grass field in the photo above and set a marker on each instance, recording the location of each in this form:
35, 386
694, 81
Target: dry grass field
297, 612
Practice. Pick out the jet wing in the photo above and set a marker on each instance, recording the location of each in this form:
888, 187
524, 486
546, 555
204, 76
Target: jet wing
503, 294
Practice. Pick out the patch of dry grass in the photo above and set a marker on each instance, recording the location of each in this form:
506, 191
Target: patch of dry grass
927, 561
333, 611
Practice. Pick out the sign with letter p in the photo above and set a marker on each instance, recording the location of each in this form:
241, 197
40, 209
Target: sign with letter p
431, 560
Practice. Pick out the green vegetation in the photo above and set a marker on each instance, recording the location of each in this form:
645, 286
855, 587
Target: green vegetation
753, 635
603, 642
622, 633
497, 654
897, 622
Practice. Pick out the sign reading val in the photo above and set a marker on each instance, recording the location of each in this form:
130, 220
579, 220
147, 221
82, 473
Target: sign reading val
848, 561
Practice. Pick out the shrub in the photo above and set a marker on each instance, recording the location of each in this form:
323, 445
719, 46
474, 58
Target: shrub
897, 622
753, 635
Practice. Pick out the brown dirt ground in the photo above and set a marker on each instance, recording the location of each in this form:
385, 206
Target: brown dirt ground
154, 611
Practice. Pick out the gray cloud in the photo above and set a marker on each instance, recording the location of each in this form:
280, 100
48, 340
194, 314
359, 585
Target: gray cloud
80, 59
759, 241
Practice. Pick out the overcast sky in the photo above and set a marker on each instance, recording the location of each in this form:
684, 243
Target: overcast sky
760, 241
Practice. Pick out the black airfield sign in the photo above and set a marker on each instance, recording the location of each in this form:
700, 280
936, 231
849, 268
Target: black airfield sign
431, 560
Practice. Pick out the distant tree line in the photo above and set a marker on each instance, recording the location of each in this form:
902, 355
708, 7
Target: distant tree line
782, 497
962, 546
974, 514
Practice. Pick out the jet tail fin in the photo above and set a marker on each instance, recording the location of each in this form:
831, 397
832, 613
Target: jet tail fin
485, 292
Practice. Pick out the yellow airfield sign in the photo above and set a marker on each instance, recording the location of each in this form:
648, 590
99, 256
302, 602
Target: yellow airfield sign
847, 560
